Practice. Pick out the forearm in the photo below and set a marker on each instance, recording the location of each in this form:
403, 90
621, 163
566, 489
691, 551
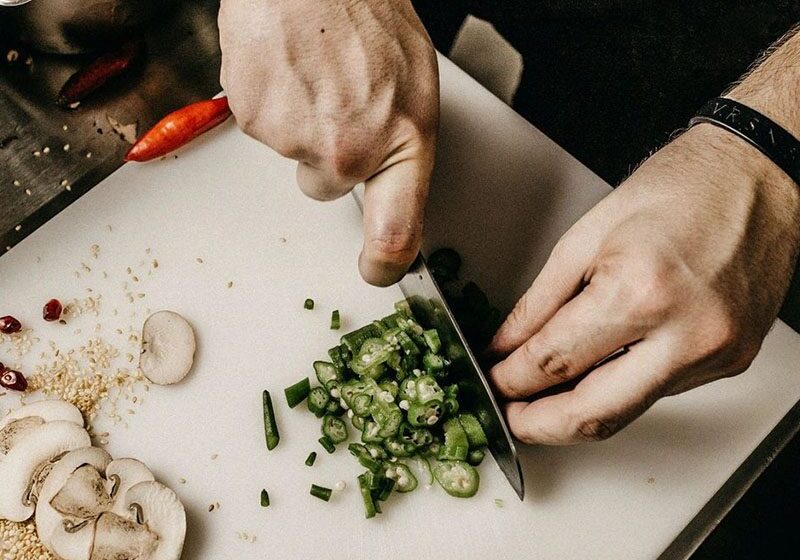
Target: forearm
772, 85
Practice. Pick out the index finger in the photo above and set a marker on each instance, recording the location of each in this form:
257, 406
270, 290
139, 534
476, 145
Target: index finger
604, 402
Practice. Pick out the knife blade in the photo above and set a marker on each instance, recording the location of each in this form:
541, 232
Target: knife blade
427, 302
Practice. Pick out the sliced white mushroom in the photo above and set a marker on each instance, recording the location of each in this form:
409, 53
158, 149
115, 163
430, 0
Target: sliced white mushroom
19, 466
69, 537
121, 475
47, 410
118, 538
158, 508
168, 347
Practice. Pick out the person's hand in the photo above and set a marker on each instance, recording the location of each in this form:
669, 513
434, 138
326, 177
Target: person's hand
685, 265
349, 89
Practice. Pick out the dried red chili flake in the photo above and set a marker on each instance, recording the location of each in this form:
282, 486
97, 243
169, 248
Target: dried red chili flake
13, 380
9, 325
52, 310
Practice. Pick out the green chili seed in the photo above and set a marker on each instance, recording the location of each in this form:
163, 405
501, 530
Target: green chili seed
270, 425
309, 304
312, 457
321, 492
264, 498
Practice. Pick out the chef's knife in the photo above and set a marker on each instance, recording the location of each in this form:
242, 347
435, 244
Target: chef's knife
427, 301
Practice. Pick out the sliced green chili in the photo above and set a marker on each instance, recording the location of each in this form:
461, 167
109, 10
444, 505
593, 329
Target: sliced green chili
404, 479
297, 393
327, 444
327, 374
309, 304
433, 340
458, 478
364, 457
321, 492
264, 498
476, 457
311, 459
336, 321
270, 425
318, 400
334, 428
366, 496
474, 431
456, 444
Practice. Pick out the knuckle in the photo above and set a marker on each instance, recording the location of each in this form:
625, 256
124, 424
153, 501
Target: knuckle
394, 246
648, 294
554, 364
597, 428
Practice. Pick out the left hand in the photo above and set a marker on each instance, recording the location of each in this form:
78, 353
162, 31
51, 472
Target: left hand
685, 265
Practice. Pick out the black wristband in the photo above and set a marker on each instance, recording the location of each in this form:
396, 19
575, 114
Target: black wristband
770, 138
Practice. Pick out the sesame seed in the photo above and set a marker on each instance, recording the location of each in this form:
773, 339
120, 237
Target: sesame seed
66, 147
17, 183
28, 192
37, 153
46, 150
17, 228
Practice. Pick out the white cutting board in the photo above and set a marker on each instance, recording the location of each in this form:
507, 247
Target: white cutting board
503, 194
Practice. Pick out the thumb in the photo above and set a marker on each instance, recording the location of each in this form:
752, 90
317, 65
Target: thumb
394, 208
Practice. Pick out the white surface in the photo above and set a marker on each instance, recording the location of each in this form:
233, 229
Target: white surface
503, 194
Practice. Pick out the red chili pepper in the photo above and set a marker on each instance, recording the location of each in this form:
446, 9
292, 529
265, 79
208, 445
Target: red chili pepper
179, 128
100, 71
14, 380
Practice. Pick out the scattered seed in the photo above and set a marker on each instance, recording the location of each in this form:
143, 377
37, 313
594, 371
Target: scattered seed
17, 228
37, 153
65, 128
28, 192
66, 147
88, 155
46, 150
182, 481
230, 284
199, 260
214, 456
68, 188
17, 183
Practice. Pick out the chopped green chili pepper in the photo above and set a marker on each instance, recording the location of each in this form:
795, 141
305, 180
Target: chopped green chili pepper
321, 492
366, 496
312, 457
318, 400
355, 339
370, 432
404, 479
456, 444
334, 428
264, 498
432, 339
297, 393
458, 478
309, 303
270, 425
474, 431
358, 422
326, 443
327, 374
422, 415
428, 389
476, 457
364, 457
336, 321
398, 448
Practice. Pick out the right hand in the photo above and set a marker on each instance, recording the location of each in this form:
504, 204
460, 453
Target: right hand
349, 89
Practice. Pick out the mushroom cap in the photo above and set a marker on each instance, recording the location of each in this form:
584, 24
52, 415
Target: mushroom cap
47, 410
130, 472
168, 346
118, 538
163, 515
49, 522
39, 444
